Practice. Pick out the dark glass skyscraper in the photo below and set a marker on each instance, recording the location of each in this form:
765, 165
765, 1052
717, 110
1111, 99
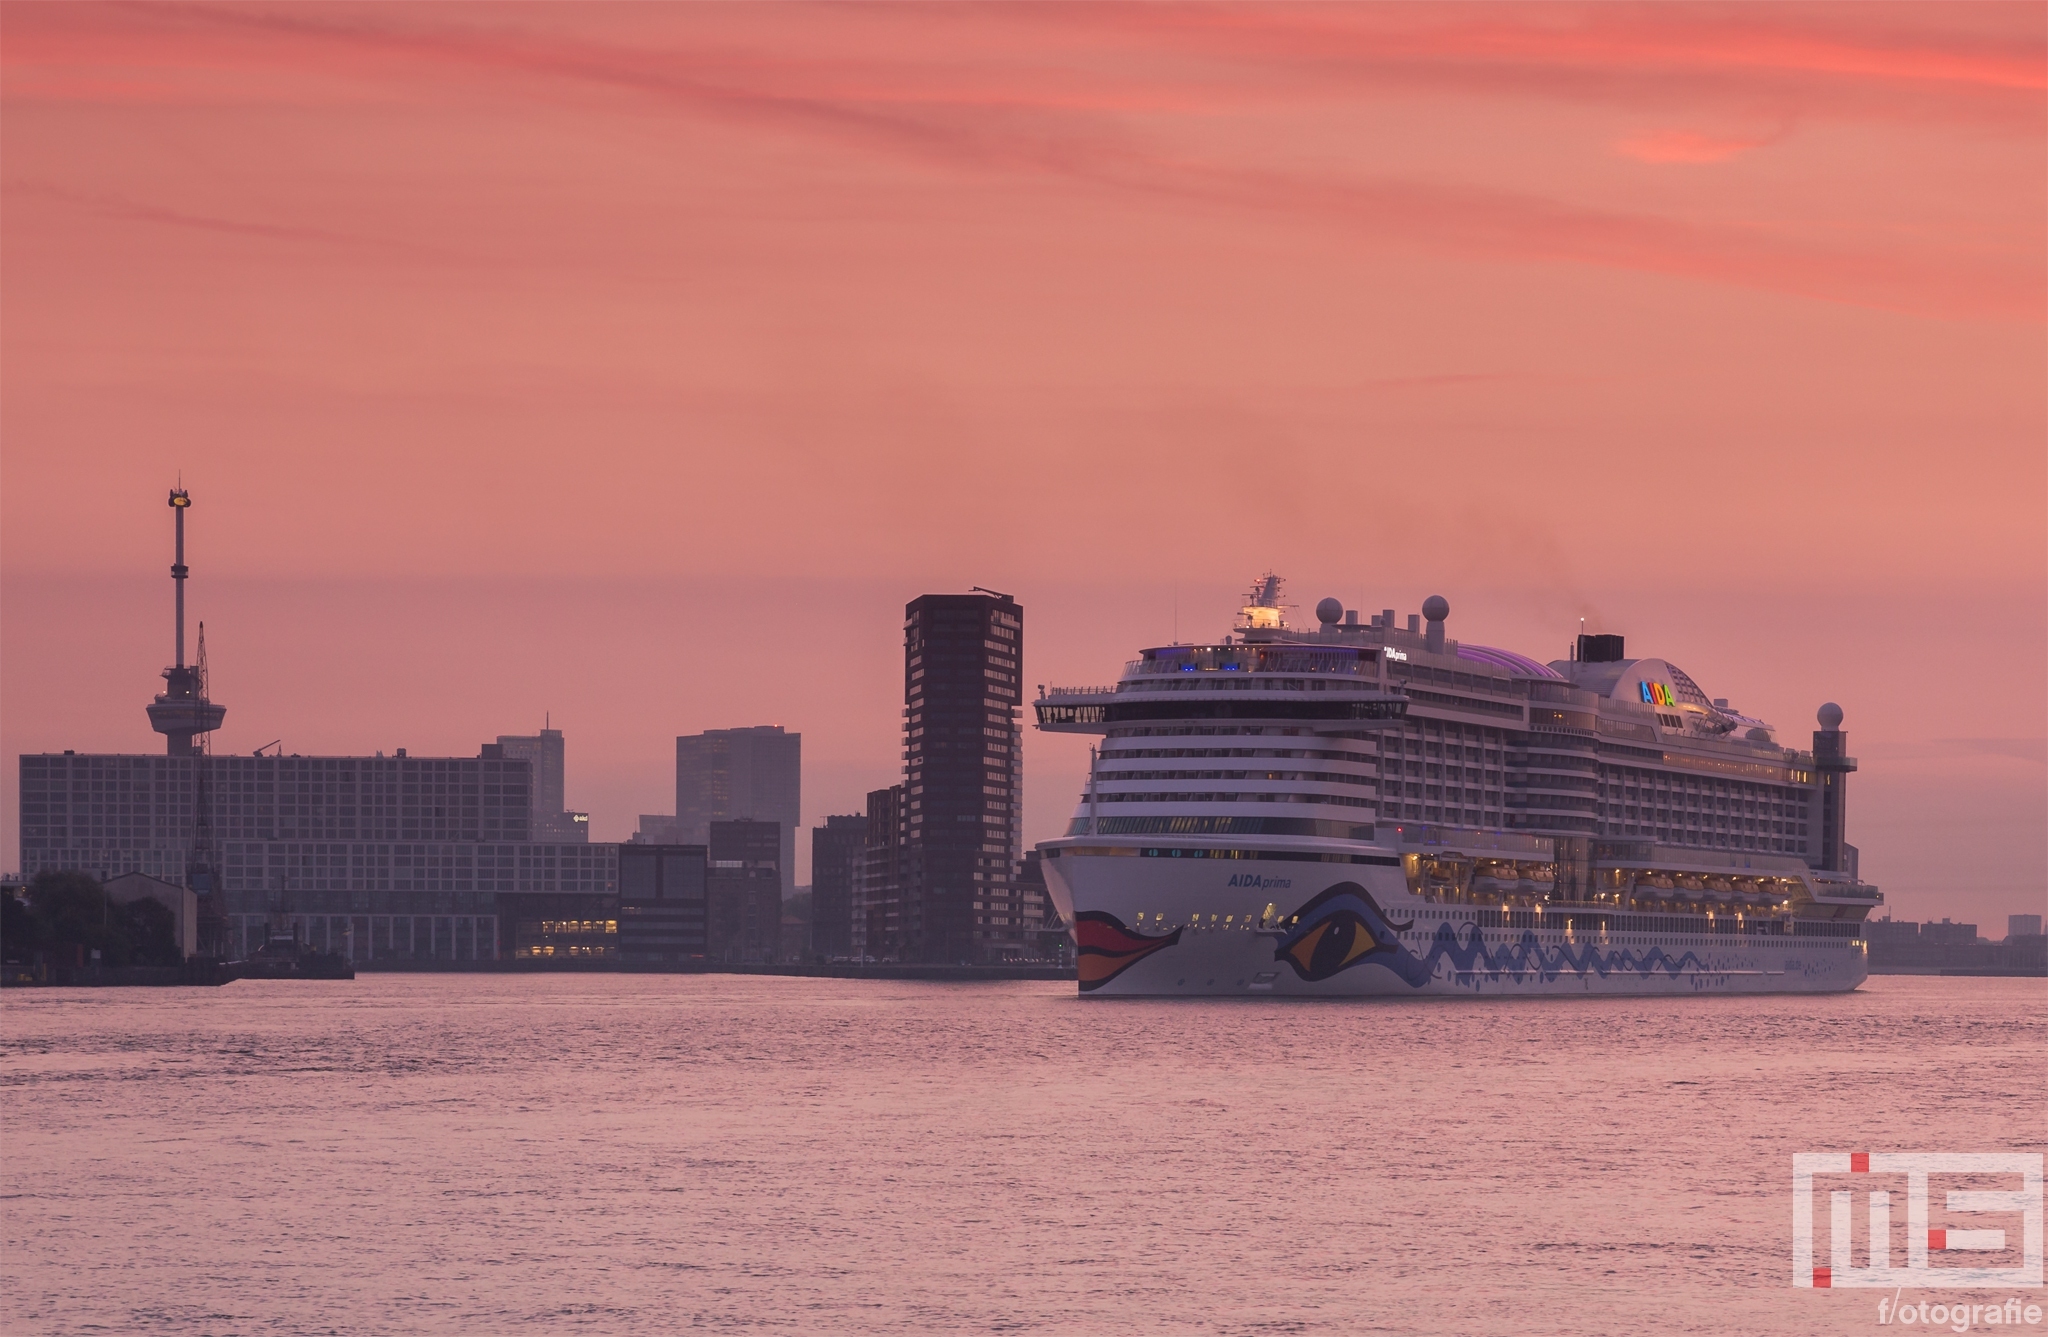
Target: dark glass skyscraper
962, 677
835, 868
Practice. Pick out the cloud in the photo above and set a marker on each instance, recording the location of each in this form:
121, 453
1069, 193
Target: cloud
1123, 101
1848, 58
135, 211
1687, 146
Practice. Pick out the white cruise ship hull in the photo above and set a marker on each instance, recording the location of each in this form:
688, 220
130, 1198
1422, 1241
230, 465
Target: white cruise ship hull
1249, 927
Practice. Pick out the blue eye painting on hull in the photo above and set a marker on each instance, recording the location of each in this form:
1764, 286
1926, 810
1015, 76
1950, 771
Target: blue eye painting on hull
1344, 927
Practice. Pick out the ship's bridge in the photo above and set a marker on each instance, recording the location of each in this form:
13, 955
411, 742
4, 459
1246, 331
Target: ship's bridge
1333, 687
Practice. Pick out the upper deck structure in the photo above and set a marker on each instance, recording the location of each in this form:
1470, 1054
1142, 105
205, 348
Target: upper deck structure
1615, 772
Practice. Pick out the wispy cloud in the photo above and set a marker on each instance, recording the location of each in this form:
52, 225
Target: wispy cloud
1689, 146
1107, 98
137, 211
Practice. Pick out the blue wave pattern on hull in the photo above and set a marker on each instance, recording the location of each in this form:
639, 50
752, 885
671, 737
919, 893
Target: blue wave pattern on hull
1528, 959
1344, 927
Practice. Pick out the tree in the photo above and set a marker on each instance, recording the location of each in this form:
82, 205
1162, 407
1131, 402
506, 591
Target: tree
68, 908
145, 933
19, 940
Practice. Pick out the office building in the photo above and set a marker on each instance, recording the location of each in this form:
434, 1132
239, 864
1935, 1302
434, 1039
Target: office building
725, 774
878, 906
663, 904
2022, 926
963, 665
836, 849
744, 891
569, 925
1041, 935
658, 829
796, 936
552, 819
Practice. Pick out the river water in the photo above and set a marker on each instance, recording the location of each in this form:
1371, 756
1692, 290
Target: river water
601, 1154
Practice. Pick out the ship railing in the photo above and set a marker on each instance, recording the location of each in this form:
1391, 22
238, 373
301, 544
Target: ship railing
1234, 659
1045, 692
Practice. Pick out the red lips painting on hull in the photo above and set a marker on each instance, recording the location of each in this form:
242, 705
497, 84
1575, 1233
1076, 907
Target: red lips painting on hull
1107, 948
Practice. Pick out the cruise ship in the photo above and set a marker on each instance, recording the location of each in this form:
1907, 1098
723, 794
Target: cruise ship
1371, 808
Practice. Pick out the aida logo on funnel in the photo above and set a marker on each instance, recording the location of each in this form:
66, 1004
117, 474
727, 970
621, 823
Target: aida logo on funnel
1989, 1233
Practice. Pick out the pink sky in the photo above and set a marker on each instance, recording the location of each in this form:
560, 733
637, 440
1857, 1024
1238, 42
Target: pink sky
636, 363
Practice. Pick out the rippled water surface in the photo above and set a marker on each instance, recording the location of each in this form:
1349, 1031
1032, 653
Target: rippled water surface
614, 1154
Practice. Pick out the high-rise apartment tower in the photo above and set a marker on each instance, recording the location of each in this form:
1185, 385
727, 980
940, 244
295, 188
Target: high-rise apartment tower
963, 657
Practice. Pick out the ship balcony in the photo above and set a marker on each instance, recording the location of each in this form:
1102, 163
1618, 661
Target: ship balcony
1093, 710
1846, 893
1288, 657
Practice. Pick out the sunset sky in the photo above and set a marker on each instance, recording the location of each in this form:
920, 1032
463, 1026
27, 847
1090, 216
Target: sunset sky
637, 363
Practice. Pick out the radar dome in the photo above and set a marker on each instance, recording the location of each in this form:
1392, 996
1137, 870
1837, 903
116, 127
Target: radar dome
1436, 608
1830, 716
1329, 610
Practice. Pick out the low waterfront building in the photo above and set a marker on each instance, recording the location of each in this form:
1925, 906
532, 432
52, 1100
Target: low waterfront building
560, 925
377, 857
1901, 947
182, 902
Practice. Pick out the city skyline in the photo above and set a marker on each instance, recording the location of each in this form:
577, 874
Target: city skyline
1717, 329
1869, 828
